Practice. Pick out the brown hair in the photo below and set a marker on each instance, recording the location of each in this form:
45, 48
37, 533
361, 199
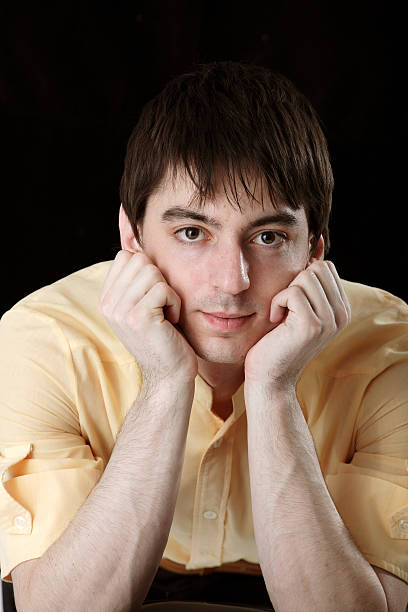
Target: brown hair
243, 120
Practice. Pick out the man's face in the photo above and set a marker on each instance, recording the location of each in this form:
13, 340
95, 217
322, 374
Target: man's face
225, 265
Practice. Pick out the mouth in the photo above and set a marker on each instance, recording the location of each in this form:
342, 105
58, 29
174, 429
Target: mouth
226, 321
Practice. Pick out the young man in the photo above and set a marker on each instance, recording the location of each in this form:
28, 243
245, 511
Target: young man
216, 399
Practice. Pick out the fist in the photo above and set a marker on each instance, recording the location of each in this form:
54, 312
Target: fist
307, 316
141, 308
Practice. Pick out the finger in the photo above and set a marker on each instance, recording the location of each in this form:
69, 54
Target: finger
172, 310
125, 277
278, 310
315, 294
120, 261
160, 296
340, 287
132, 289
293, 299
332, 286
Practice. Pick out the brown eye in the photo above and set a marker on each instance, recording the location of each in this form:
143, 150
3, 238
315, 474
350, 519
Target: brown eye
190, 234
269, 238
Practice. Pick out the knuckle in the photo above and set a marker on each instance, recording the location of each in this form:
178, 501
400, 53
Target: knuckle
313, 266
331, 267
315, 326
141, 258
122, 256
316, 267
131, 319
153, 271
148, 276
103, 305
343, 318
117, 316
160, 288
333, 327
295, 290
136, 260
313, 273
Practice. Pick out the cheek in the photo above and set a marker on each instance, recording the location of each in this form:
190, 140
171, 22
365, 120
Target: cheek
183, 269
182, 278
275, 276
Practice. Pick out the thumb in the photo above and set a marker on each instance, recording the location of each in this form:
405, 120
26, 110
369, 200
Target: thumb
279, 308
172, 306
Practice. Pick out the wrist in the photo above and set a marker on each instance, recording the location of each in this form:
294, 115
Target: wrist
277, 379
274, 413
276, 391
175, 388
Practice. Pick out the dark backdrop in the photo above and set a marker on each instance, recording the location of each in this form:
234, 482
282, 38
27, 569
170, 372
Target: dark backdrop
75, 75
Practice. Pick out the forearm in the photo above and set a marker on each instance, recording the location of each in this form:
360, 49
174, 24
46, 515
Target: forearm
108, 555
307, 555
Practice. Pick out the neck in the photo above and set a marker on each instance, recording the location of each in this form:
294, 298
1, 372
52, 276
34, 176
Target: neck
224, 378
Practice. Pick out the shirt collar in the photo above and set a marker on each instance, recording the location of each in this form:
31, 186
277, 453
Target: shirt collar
204, 396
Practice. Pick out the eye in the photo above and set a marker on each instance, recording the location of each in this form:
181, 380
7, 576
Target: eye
190, 234
269, 238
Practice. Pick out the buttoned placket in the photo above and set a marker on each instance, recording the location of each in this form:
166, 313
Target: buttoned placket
213, 480
210, 506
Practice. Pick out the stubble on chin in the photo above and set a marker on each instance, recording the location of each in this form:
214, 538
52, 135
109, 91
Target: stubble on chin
221, 357
222, 350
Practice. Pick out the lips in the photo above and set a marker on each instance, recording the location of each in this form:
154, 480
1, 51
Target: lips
226, 315
226, 321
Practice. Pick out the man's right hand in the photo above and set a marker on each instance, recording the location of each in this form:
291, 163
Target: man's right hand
132, 301
134, 483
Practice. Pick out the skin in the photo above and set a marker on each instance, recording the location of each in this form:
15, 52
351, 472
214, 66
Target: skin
297, 306
153, 299
230, 267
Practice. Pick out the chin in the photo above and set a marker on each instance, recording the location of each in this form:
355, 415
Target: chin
229, 349
212, 357
220, 350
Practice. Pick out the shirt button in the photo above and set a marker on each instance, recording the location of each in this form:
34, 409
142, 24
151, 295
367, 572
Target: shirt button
20, 522
209, 514
403, 525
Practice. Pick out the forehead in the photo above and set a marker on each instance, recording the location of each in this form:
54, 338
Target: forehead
178, 190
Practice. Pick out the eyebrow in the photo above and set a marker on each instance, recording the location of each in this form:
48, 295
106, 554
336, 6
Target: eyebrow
178, 212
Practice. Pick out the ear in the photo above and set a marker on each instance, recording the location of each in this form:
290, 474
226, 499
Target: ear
318, 251
127, 237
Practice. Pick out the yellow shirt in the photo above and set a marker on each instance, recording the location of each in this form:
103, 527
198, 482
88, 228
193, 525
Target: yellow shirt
67, 383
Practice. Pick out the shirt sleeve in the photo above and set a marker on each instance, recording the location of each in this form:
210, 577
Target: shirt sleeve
371, 491
46, 467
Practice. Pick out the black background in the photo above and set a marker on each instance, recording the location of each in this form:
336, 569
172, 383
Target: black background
74, 77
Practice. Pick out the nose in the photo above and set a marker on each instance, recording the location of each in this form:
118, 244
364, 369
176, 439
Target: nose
229, 270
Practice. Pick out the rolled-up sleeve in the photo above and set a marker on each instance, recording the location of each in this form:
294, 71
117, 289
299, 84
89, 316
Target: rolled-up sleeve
371, 491
47, 469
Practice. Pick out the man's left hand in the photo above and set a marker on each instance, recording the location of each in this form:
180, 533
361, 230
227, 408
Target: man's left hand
307, 315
